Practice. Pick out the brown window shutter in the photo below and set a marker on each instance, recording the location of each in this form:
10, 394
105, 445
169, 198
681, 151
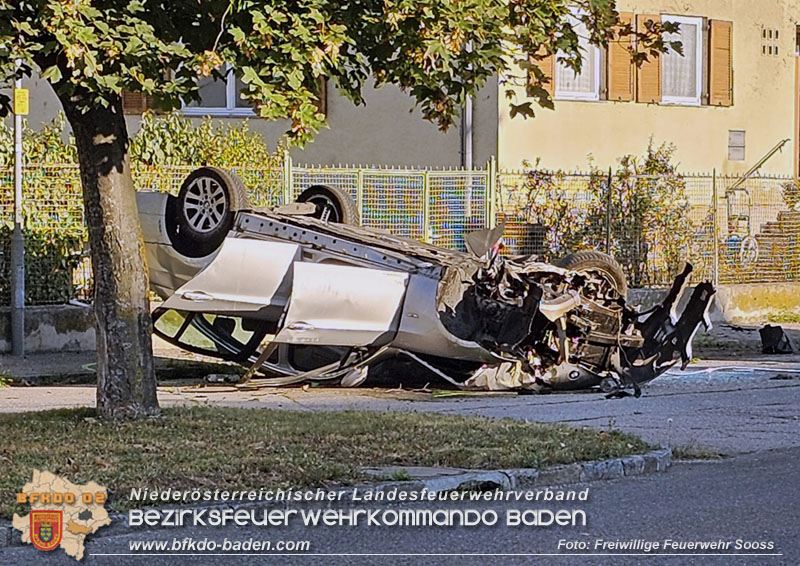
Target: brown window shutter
648, 75
135, 102
548, 67
620, 66
721, 63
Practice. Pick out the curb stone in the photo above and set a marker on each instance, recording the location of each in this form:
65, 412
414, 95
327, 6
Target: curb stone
653, 462
656, 461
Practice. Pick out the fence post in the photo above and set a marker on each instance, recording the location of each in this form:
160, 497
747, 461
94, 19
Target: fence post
360, 195
287, 177
715, 274
426, 207
491, 193
608, 213
17, 242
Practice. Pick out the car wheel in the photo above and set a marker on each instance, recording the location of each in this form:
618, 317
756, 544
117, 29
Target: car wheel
590, 261
205, 210
333, 204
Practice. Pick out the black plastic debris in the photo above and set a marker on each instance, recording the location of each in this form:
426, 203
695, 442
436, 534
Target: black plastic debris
774, 340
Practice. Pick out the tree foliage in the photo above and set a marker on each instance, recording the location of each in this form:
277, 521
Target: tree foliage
439, 51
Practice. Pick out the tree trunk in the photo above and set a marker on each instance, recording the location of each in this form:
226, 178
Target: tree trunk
126, 384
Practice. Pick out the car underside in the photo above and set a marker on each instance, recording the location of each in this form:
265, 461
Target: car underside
303, 292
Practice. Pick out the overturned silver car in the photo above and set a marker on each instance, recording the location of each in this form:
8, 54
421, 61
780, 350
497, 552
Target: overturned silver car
302, 292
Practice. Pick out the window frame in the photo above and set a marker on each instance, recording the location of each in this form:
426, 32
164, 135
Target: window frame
230, 109
581, 96
698, 22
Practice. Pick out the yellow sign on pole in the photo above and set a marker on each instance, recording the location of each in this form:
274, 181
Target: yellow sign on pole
21, 101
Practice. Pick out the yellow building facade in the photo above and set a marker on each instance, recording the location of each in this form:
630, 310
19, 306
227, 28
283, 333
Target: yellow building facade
678, 100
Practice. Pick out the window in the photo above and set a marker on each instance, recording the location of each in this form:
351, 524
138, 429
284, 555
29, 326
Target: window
736, 145
586, 84
220, 97
682, 76
703, 74
135, 103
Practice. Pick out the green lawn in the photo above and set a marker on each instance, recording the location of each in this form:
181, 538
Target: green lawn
234, 448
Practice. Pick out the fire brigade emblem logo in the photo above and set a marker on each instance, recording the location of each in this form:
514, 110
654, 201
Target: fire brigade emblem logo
46, 529
62, 513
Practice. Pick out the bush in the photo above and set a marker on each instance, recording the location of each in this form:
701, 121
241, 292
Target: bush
51, 144
648, 216
552, 204
171, 139
174, 139
51, 258
650, 230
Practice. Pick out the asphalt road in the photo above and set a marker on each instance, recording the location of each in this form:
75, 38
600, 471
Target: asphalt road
750, 412
748, 498
732, 407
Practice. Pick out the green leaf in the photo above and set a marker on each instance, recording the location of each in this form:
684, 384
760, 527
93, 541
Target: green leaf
52, 74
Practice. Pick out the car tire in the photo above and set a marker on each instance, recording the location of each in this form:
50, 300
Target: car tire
205, 210
333, 204
591, 260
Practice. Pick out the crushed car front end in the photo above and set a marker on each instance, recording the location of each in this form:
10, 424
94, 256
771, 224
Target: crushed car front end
563, 329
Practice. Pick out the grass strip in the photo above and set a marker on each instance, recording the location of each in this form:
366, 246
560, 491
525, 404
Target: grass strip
235, 448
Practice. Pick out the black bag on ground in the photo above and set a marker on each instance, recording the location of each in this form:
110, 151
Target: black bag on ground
774, 340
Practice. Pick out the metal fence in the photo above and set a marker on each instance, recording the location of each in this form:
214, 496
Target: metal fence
745, 232
436, 206
732, 229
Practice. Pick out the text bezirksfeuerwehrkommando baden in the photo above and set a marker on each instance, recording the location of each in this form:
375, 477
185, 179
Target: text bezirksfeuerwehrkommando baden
271, 517
383, 517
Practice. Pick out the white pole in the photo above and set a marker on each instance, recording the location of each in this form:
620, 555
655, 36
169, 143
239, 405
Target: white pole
467, 156
466, 150
17, 243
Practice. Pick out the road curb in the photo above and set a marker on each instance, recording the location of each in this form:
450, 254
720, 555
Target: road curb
524, 478
656, 461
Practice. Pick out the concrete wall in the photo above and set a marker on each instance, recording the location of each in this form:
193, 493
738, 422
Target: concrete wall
743, 304
386, 131
764, 104
57, 328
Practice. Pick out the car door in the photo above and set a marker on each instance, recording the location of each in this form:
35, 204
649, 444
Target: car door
248, 277
341, 305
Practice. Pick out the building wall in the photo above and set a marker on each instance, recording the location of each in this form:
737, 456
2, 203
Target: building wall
764, 105
383, 132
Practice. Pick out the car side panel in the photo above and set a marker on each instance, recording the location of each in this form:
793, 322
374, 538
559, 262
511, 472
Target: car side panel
421, 329
342, 305
247, 278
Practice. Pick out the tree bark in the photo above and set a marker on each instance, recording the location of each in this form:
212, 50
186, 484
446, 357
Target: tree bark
126, 384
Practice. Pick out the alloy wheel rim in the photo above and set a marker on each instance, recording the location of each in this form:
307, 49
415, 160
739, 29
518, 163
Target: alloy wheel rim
205, 204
